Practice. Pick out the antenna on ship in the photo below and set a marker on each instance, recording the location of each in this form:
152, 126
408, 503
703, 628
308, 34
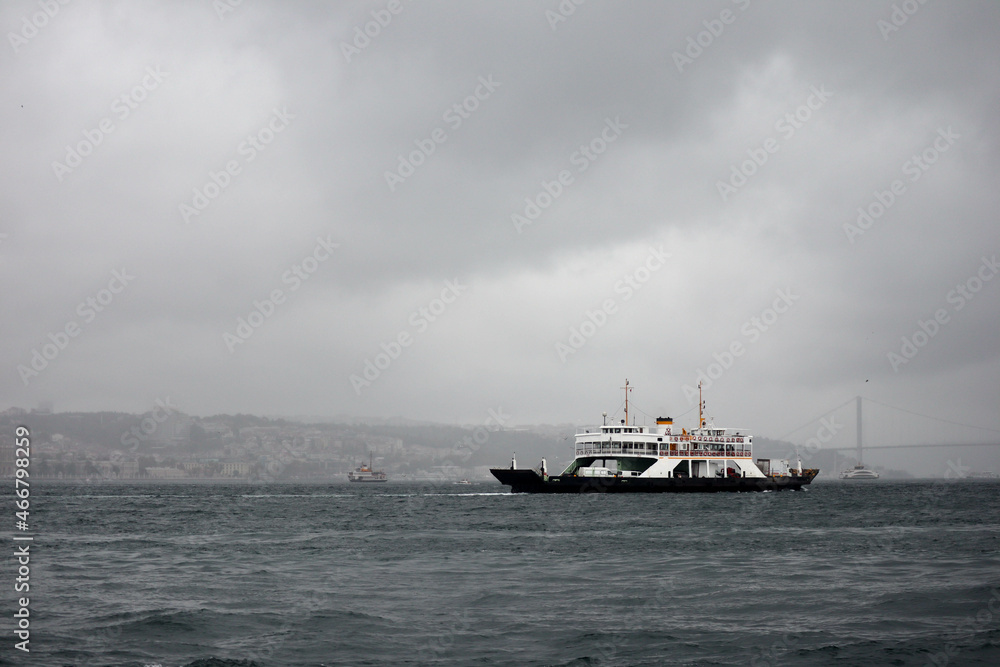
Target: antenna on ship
627, 390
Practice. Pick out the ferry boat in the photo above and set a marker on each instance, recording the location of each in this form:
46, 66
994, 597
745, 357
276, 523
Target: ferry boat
625, 458
859, 472
366, 473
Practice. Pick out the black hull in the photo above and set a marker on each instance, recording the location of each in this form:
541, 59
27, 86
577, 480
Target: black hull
529, 481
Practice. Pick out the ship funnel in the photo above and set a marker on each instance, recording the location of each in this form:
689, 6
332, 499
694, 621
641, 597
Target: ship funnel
667, 423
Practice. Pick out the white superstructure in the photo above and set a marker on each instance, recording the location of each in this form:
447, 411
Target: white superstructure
367, 473
627, 450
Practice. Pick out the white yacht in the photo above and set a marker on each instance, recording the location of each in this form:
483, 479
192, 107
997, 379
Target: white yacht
859, 472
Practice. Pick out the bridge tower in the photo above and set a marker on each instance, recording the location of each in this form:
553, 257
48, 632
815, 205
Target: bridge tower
858, 419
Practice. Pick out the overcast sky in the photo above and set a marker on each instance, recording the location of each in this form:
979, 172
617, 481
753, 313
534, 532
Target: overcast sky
574, 195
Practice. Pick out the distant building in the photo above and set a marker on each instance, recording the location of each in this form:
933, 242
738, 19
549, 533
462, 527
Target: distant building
165, 473
193, 468
235, 469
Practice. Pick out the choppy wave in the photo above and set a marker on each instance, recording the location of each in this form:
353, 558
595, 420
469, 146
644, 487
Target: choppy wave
885, 573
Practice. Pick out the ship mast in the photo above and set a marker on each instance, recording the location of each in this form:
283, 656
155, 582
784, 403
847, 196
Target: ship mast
627, 390
701, 405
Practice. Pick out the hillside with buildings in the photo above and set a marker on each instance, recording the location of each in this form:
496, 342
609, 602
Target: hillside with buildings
165, 443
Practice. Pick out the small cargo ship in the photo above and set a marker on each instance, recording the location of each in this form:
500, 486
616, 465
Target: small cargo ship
366, 473
625, 458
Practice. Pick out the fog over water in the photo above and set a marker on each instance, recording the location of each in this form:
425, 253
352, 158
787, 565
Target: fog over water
430, 210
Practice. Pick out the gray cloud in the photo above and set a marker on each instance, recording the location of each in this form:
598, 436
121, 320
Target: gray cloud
345, 124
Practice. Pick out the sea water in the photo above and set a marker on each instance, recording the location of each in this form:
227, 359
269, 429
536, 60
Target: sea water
844, 573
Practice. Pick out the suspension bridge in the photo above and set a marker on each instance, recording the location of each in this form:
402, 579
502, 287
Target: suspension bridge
880, 426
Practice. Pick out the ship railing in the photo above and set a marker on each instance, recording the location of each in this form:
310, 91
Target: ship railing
598, 451
735, 452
